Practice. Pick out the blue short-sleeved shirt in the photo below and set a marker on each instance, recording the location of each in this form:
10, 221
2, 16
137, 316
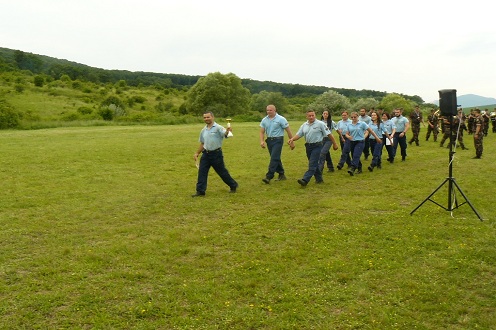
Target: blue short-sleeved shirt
377, 130
212, 137
388, 125
342, 125
274, 127
357, 131
313, 132
400, 123
366, 119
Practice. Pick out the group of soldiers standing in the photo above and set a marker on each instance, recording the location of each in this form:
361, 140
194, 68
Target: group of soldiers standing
476, 123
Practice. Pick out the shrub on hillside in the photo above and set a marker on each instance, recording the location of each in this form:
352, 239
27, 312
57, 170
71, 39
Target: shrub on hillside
39, 81
113, 100
9, 117
85, 110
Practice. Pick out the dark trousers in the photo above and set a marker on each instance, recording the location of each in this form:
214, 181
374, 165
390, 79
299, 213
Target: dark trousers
366, 148
345, 152
274, 145
325, 155
389, 148
376, 153
356, 152
213, 159
402, 142
313, 155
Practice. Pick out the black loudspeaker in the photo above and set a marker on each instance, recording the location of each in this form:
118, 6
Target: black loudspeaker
447, 102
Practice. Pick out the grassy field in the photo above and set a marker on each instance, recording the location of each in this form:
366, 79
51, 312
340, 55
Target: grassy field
99, 231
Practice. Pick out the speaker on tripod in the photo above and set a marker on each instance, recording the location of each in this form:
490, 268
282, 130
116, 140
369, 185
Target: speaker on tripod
447, 102
448, 107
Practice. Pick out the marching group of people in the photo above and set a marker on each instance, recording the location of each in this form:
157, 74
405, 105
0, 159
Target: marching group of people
362, 132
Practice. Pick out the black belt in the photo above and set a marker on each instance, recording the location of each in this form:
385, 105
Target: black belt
209, 151
275, 137
314, 144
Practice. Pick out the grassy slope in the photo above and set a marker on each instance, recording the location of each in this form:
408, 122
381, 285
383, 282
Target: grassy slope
99, 231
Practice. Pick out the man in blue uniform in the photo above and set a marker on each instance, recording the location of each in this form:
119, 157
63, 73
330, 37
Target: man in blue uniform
314, 131
211, 138
402, 125
273, 126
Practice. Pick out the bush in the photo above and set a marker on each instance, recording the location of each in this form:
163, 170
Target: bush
39, 81
106, 113
9, 117
113, 100
85, 110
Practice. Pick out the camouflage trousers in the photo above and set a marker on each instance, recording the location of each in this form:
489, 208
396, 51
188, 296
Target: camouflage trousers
446, 136
415, 132
478, 144
430, 130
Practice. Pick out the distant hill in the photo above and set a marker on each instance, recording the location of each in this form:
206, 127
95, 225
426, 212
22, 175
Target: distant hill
472, 100
11, 60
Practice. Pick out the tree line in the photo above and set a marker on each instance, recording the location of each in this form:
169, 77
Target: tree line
56, 68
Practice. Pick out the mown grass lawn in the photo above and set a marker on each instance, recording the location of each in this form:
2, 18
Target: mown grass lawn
98, 230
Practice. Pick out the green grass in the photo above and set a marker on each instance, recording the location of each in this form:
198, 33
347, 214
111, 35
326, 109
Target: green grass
99, 230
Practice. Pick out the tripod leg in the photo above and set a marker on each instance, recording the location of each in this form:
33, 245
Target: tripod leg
468, 202
428, 197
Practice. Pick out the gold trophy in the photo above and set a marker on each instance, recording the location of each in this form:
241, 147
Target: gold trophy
229, 134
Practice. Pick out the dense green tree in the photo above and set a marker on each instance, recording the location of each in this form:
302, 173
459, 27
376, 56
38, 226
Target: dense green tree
220, 93
393, 101
260, 101
331, 101
367, 103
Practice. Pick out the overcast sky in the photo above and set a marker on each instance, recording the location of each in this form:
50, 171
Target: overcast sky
408, 47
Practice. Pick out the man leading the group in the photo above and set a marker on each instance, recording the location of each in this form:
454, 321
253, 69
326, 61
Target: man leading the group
402, 125
314, 131
273, 126
211, 138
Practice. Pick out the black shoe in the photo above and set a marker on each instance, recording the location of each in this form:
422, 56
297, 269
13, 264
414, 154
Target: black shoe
370, 168
281, 177
319, 181
198, 194
339, 167
266, 181
302, 182
330, 170
233, 189
351, 171
366, 157
359, 171
379, 166
403, 159
463, 148
476, 157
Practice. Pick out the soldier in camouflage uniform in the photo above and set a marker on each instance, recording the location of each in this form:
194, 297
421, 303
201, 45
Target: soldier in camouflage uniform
471, 119
446, 128
415, 120
485, 117
459, 126
493, 120
478, 134
432, 127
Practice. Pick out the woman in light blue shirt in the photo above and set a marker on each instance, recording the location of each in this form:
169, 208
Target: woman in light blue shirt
376, 147
356, 135
391, 129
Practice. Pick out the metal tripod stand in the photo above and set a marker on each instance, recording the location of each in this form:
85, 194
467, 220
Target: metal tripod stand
451, 185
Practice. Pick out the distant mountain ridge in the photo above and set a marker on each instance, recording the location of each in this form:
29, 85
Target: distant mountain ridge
472, 100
